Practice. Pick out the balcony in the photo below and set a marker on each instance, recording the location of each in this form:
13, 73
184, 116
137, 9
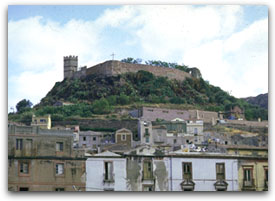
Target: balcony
187, 185
220, 185
147, 176
109, 178
248, 185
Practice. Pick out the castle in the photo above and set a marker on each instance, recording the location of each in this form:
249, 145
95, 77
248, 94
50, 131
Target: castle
113, 68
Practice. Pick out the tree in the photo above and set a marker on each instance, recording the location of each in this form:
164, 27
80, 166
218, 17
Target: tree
131, 60
101, 106
23, 106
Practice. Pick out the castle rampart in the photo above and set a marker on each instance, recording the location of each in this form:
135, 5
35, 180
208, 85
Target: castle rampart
114, 68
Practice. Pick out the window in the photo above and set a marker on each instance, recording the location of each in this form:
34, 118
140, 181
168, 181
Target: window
59, 146
248, 176
19, 144
148, 188
59, 169
265, 178
84, 138
225, 142
59, 189
146, 131
220, 170
175, 141
28, 145
195, 130
123, 137
147, 139
23, 189
94, 138
266, 174
187, 141
147, 170
187, 171
24, 168
108, 171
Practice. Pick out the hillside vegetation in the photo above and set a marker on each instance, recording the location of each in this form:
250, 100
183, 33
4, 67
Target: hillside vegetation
260, 100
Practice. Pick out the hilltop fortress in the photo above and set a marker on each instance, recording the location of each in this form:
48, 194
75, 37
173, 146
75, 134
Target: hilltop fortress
113, 68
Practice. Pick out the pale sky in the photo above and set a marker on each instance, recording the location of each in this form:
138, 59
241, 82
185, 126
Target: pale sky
229, 44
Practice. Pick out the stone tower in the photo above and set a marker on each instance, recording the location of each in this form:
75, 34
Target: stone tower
70, 66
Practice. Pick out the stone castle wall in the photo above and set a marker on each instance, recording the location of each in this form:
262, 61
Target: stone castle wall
113, 68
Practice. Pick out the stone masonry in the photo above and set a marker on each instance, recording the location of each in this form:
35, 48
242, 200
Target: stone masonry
114, 68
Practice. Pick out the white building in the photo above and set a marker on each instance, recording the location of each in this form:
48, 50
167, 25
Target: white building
144, 170
106, 171
194, 127
145, 132
202, 172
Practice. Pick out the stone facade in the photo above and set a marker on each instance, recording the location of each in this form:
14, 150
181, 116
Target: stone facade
43, 160
114, 68
70, 66
124, 137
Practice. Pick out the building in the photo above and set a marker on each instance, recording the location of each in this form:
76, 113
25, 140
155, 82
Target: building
149, 169
114, 68
154, 114
106, 171
203, 172
173, 133
43, 122
90, 139
145, 132
194, 127
253, 174
124, 137
235, 112
43, 160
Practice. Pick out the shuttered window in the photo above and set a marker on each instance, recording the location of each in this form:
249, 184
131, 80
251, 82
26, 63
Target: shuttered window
187, 170
220, 170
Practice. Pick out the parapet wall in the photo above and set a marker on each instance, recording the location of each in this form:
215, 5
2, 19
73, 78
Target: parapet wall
113, 68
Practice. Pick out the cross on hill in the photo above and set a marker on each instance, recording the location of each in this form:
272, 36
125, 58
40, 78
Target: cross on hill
113, 55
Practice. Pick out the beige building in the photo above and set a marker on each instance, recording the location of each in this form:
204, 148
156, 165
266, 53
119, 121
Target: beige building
253, 174
124, 136
43, 122
43, 160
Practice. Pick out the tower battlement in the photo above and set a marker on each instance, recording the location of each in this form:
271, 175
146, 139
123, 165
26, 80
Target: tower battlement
70, 57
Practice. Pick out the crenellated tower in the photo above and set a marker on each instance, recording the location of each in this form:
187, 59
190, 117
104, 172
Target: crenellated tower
70, 66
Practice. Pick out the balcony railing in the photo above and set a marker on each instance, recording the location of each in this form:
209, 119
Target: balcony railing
221, 185
109, 178
187, 185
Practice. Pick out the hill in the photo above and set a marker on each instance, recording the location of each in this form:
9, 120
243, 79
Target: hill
95, 95
260, 100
